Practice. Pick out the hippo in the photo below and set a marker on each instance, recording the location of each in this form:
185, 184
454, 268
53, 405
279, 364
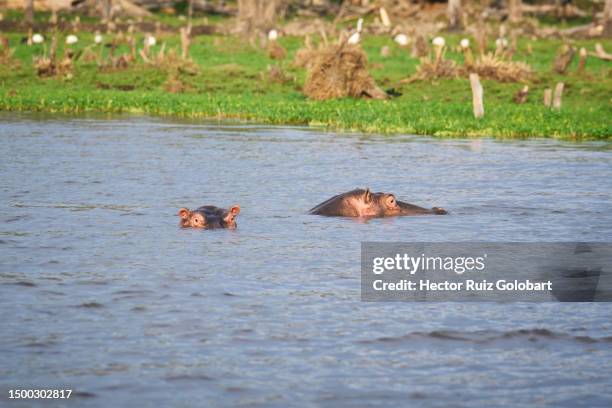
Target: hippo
209, 217
365, 204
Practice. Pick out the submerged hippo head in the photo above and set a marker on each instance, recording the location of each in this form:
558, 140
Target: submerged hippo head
209, 217
364, 203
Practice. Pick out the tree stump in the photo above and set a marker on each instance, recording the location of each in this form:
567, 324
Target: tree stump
582, 61
521, 95
548, 97
477, 96
558, 95
257, 15
565, 54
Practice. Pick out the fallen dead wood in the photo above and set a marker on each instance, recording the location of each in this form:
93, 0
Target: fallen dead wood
567, 11
145, 26
300, 28
583, 31
601, 53
221, 9
125, 8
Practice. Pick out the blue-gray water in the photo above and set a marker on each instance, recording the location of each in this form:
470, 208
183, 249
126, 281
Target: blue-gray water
102, 293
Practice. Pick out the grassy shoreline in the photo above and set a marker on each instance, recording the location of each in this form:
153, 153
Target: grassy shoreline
231, 82
432, 119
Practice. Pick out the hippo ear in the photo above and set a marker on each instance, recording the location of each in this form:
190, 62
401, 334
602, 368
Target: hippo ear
184, 213
232, 213
367, 196
390, 200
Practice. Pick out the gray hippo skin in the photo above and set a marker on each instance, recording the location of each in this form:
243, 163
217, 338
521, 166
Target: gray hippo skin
209, 217
365, 204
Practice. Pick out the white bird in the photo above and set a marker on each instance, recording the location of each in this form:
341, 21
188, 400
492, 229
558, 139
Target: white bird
465, 43
438, 41
71, 39
37, 38
501, 43
354, 38
401, 39
359, 25
273, 35
150, 41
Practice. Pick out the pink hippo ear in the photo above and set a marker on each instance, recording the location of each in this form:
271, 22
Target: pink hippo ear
232, 213
184, 213
367, 196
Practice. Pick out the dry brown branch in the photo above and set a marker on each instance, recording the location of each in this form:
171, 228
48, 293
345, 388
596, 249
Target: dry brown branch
276, 51
420, 48
564, 58
521, 96
6, 53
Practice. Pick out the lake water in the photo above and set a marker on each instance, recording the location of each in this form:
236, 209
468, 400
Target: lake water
102, 293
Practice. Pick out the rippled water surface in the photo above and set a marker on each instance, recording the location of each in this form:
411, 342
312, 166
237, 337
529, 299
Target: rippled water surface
101, 292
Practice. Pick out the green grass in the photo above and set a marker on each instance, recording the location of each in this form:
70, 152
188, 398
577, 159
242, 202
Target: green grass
230, 84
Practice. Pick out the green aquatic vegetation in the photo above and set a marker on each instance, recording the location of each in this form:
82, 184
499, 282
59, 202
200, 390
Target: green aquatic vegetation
231, 81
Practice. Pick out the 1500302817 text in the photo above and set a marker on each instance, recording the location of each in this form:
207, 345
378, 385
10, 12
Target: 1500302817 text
39, 394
